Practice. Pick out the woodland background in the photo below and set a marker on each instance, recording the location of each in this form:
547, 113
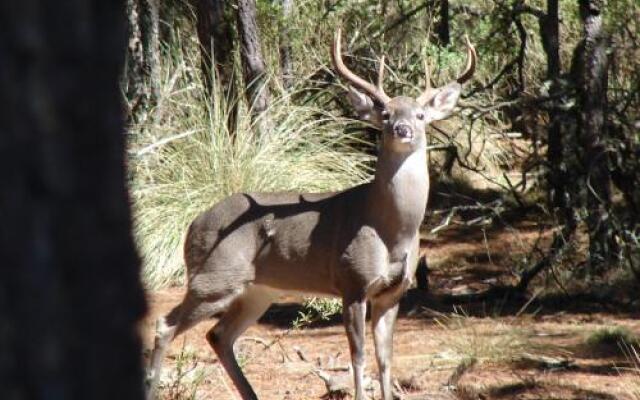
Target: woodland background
535, 190
240, 96
122, 120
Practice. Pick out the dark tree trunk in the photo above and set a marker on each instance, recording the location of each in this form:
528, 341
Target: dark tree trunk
215, 35
204, 25
149, 33
253, 66
549, 32
559, 197
286, 61
442, 28
70, 295
593, 99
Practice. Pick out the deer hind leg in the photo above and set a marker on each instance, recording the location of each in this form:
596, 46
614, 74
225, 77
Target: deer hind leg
182, 317
354, 313
383, 319
243, 312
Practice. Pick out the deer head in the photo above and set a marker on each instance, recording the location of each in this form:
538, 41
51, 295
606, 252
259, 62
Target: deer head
401, 119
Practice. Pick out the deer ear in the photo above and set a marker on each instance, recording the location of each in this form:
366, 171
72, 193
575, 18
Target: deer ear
364, 106
442, 103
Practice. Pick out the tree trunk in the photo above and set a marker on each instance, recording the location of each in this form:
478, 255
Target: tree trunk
216, 42
142, 85
549, 32
593, 99
286, 62
134, 70
149, 32
70, 297
215, 35
442, 28
253, 66
557, 175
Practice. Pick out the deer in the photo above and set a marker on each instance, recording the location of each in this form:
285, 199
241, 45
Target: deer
360, 244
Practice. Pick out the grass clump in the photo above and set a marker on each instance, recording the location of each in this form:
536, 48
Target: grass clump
484, 341
184, 159
610, 340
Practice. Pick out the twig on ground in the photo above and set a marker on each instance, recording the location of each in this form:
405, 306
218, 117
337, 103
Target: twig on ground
254, 339
464, 366
300, 353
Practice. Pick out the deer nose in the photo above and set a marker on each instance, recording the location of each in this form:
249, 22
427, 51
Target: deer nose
402, 131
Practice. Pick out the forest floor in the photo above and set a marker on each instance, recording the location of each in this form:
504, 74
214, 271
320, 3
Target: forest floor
498, 349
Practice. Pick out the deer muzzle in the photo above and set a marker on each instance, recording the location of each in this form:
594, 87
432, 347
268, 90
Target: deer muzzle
403, 131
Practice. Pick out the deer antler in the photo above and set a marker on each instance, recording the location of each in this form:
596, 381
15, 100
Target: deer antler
470, 68
471, 62
374, 91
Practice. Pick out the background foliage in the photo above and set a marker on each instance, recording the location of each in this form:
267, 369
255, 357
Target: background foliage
489, 162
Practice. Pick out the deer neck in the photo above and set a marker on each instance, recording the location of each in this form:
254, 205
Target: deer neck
398, 195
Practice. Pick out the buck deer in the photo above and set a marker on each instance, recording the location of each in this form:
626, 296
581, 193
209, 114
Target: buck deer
360, 244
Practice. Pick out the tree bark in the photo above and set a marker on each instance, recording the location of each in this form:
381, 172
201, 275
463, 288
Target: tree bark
70, 297
442, 28
142, 84
215, 35
558, 194
593, 99
149, 33
142, 75
253, 66
286, 57
550, 35
134, 70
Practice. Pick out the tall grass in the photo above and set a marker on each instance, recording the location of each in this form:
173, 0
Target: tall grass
184, 159
632, 353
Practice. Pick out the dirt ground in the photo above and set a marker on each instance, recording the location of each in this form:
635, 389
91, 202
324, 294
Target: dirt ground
482, 350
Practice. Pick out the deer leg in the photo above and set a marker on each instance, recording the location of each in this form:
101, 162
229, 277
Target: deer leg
354, 320
165, 332
182, 317
242, 313
383, 319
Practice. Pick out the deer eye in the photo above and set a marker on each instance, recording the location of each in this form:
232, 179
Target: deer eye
385, 115
420, 116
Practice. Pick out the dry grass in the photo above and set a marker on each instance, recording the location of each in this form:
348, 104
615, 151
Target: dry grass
611, 341
632, 354
488, 341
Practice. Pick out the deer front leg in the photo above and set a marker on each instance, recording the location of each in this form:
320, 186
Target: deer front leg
383, 319
354, 321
